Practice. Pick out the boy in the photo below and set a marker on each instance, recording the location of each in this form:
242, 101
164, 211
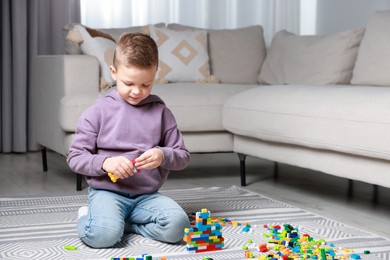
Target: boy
129, 124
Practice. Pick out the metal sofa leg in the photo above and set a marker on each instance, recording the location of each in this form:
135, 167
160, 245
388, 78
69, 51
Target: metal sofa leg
44, 159
79, 179
375, 194
242, 158
276, 170
375, 191
350, 188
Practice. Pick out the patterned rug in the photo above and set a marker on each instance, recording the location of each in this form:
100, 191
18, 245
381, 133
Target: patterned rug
39, 228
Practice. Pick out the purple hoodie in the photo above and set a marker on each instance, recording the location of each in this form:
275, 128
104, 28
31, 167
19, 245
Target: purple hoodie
113, 127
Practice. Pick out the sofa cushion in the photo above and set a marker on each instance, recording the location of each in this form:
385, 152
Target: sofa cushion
183, 56
312, 60
197, 107
351, 119
230, 49
373, 62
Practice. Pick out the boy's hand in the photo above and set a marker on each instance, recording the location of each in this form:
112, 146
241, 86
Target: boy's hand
120, 166
150, 159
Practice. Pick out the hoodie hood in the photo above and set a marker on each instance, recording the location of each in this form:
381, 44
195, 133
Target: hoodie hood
150, 99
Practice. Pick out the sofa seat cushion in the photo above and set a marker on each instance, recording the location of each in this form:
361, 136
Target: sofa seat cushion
197, 107
350, 119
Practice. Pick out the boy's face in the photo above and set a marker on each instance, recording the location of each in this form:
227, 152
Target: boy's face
133, 84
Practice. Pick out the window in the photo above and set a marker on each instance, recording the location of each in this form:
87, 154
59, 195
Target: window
293, 15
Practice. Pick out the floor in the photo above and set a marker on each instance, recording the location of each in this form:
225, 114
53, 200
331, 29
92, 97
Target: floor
21, 175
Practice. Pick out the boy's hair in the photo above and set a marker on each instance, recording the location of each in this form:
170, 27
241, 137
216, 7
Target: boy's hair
136, 49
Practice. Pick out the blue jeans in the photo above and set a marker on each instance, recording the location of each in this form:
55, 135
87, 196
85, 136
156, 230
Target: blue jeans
151, 215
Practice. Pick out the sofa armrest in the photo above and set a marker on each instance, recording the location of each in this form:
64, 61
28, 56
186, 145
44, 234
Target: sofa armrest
52, 78
67, 74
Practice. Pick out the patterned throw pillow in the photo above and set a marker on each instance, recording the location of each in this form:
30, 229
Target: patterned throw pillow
183, 56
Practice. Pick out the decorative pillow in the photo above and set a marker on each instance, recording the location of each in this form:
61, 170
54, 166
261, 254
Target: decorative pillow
313, 60
101, 48
229, 49
73, 37
373, 62
183, 56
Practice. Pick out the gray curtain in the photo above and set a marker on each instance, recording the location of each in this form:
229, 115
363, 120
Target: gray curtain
28, 28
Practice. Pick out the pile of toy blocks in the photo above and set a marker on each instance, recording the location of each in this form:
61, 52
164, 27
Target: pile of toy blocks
141, 257
205, 236
285, 243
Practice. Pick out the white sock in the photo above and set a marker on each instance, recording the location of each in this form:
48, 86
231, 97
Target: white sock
83, 211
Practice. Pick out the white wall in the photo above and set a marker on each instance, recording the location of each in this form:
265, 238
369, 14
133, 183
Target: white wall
337, 15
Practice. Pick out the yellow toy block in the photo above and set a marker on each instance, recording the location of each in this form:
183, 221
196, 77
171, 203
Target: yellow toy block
113, 177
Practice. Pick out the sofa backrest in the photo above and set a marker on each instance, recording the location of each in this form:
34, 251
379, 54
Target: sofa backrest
239, 56
235, 55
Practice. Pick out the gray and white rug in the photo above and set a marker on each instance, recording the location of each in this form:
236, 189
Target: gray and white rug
39, 228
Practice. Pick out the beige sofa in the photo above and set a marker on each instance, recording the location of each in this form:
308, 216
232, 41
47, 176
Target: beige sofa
331, 117
72, 82
319, 102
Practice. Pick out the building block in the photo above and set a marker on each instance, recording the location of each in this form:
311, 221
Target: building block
205, 233
141, 257
115, 178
